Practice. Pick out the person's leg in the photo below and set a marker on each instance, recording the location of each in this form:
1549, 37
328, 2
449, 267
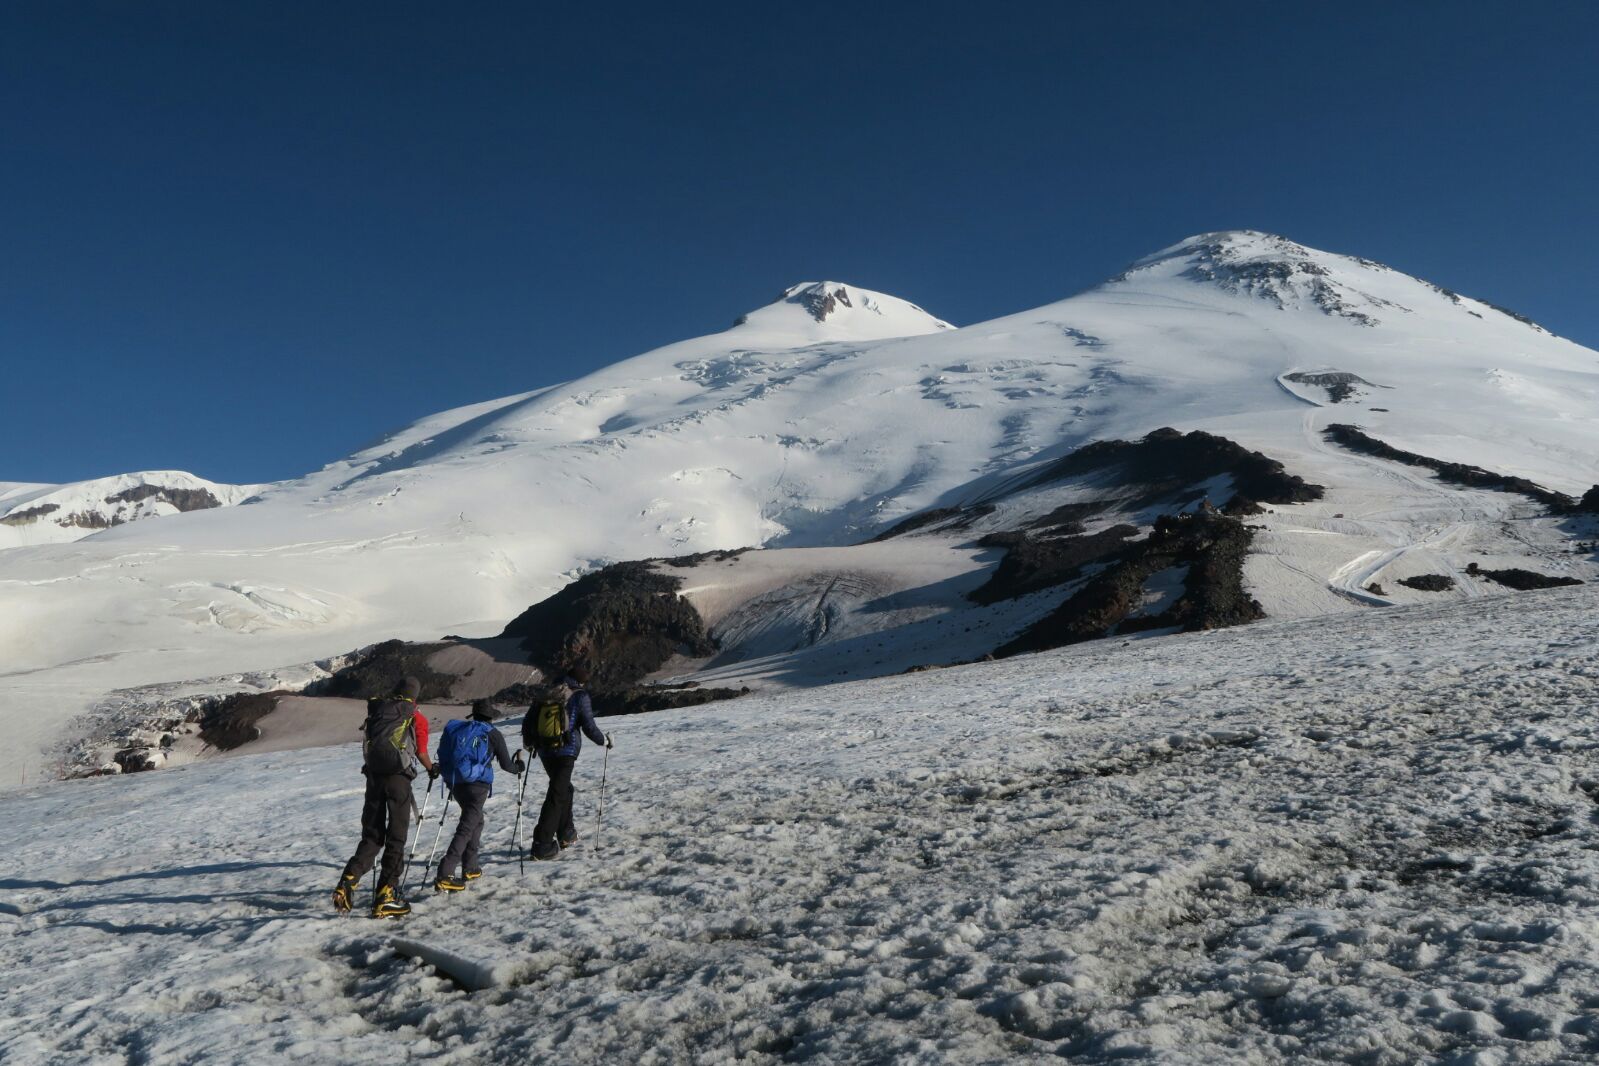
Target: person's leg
374, 826
550, 814
568, 831
469, 858
451, 862
398, 799
463, 845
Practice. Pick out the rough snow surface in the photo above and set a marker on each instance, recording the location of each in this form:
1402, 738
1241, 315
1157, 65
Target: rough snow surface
1361, 839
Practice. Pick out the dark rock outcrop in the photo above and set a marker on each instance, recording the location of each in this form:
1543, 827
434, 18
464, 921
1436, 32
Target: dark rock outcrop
1167, 460
819, 301
1032, 563
1340, 384
684, 562
945, 518
1211, 546
641, 699
633, 699
1429, 582
230, 721
182, 499
135, 760
1521, 580
1589, 504
377, 670
622, 623
1356, 440
29, 514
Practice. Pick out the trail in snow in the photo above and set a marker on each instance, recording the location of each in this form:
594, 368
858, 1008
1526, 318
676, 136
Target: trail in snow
1470, 509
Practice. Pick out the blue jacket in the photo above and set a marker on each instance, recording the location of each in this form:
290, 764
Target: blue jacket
579, 715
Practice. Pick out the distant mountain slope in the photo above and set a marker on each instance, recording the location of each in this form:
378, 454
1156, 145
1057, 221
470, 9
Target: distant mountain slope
49, 514
821, 419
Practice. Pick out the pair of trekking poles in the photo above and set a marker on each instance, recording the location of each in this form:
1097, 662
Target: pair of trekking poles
516, 832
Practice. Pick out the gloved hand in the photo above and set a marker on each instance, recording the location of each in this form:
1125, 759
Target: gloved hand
518, 765
608, 744
433, 772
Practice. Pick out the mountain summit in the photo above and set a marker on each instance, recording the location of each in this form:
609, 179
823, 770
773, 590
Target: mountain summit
1288, 275
832, 310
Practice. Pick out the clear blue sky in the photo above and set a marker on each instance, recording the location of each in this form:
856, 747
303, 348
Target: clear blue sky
245, 238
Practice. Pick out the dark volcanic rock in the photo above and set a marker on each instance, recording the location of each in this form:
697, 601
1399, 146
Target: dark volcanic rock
29, 514
379, 669
135, 760
1067, 519
1167, 460
1340, 384
644, 698
622, 623
1590, 501
635, 699
1429, 582
1356, 440
231, 721
1521, 580
943, 517
1031, 564
686, 561
1213, 548
182, 499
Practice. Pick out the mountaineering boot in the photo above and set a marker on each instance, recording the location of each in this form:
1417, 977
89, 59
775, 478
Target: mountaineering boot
473, 875
344, 893
544, 851
568, 841
449, 883
389, 904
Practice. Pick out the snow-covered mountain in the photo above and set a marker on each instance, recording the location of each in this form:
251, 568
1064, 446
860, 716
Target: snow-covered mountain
821, 419
53, 514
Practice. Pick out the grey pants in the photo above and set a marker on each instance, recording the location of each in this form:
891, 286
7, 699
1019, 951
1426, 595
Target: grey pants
463, 845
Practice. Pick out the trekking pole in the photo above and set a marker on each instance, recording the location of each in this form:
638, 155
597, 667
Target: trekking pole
598, 821
416, 841
440, 831
516, 833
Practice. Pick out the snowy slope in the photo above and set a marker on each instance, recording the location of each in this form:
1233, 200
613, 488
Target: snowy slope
1365, 840
814, 422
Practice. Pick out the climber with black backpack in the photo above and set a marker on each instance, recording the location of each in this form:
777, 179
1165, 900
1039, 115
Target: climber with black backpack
394, 739
551, 728
467, 753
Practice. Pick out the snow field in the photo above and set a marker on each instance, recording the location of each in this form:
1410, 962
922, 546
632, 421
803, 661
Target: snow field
1366, 838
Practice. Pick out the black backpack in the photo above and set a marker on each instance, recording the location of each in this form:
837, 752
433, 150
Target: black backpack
390, 737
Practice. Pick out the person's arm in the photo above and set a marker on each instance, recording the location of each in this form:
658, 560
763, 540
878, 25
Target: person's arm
421, 722
502, 754
585, 719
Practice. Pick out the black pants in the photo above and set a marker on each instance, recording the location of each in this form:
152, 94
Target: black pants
463, 845
385, 821
556, 814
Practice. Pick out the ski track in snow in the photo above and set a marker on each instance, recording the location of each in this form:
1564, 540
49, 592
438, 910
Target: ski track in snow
1367, 838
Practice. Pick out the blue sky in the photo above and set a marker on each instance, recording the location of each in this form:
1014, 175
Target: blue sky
243, 239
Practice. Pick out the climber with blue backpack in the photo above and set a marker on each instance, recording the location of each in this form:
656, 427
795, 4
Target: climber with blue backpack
467, 753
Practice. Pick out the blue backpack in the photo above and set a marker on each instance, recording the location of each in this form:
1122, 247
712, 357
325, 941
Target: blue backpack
464, 754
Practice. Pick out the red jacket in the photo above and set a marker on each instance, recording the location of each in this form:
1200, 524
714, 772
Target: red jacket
421, 732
